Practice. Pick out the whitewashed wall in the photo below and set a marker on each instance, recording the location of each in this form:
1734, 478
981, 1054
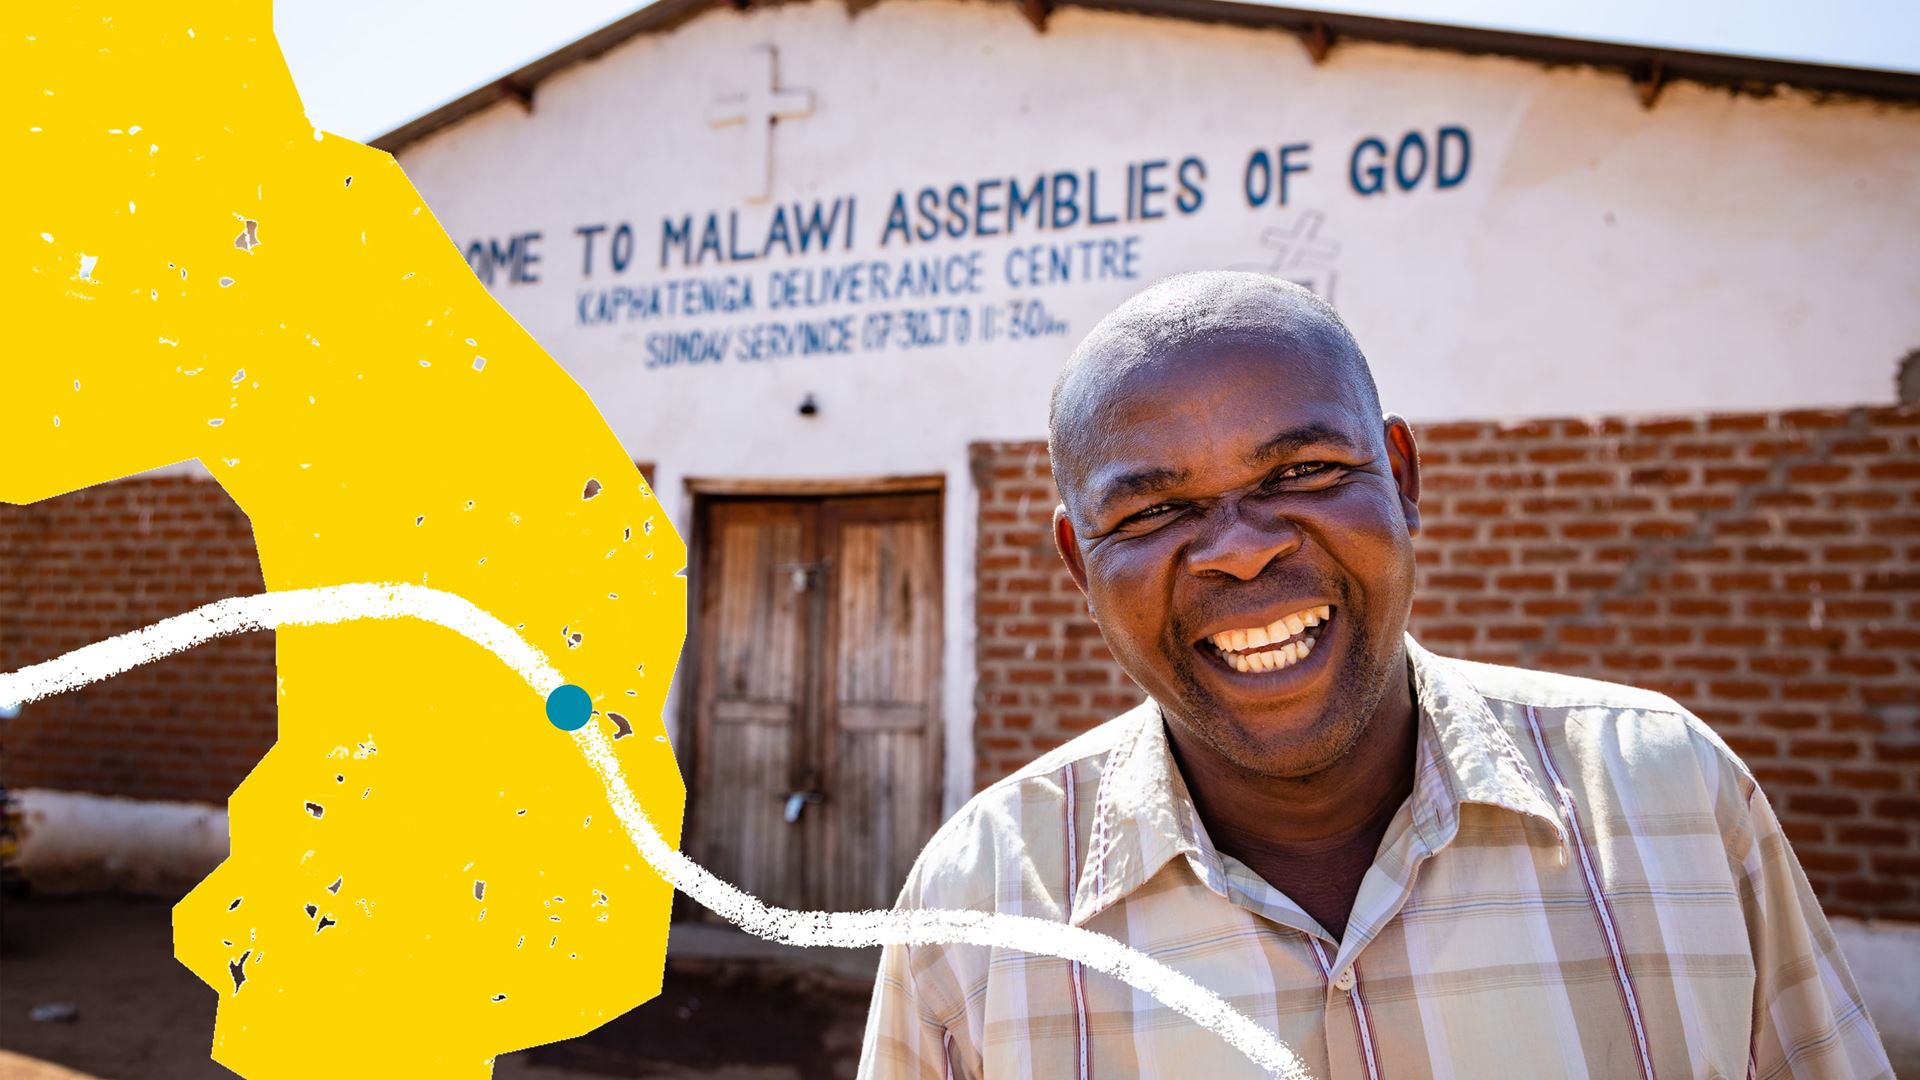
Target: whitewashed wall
1717, 252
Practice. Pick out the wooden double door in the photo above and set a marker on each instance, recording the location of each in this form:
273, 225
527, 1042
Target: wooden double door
817, 698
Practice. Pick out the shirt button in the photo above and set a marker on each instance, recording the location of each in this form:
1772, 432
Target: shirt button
1344, 980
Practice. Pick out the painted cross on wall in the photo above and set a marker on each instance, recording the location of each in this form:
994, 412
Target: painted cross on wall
1298, 253
760, 109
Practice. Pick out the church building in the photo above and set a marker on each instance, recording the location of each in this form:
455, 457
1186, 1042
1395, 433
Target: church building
819, 264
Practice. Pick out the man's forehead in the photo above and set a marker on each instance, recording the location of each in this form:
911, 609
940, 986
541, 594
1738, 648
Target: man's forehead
1255, 389
1317, 356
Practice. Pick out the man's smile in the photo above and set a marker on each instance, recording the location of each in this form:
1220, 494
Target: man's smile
1285, 643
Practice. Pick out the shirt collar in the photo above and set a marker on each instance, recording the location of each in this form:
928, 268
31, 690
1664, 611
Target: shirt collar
1144, 816
1475, 759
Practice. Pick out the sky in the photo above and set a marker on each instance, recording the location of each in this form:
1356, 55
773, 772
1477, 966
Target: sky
364, 67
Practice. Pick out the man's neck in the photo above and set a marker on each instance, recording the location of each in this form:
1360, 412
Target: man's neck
1313, 837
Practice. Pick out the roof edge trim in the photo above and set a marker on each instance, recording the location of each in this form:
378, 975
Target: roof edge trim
1740, 73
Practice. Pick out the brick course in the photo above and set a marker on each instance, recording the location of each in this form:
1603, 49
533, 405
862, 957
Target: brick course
1764, 569
113, 558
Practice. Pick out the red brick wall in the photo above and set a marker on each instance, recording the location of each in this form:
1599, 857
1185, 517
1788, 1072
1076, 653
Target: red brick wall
114, 558
1763, 569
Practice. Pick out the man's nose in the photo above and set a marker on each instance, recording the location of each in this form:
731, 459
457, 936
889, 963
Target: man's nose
1241, 542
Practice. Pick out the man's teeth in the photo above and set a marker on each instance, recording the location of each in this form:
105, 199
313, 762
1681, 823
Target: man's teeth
1234, 643
1285, 656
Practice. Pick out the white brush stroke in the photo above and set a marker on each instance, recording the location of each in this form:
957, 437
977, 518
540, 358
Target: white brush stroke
265, 611
343, 603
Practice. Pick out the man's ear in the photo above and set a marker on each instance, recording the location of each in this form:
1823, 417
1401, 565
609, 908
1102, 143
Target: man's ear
1404, 455
1068, 545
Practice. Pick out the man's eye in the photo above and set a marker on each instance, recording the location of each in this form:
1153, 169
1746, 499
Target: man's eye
1309, 470
1151, 512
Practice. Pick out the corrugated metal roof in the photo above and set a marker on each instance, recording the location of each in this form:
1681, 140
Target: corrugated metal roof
1646, 67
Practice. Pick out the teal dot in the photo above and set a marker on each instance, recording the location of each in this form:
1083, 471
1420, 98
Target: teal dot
569, 707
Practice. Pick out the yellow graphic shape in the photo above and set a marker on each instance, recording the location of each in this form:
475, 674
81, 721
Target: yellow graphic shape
424, 871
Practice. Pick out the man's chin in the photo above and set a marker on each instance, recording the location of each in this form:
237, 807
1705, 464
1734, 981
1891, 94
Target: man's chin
1291, 724
1279, 743
1298, 757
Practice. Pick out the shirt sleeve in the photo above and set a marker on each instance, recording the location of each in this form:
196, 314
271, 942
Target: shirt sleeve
1808, 1017
903, 1040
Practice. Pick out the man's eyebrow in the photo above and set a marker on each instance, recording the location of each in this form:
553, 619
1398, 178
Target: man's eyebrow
1292, 440
1138, 482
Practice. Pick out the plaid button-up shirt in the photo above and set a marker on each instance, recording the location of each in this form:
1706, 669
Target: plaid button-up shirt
1585, 882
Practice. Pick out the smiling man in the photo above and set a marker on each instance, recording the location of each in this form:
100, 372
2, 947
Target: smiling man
1403, 865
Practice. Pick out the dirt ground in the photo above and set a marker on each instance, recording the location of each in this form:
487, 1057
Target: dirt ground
141, 1015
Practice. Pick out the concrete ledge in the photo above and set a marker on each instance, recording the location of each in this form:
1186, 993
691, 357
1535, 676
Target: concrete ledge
74, 842
1885, 958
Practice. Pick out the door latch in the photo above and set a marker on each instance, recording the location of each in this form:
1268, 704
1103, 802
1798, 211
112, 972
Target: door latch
801, 575
797, 802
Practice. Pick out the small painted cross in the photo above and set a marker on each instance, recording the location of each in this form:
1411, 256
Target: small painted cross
762, 107
1300, 254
